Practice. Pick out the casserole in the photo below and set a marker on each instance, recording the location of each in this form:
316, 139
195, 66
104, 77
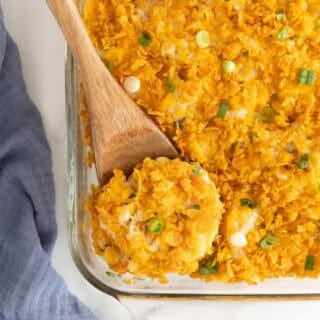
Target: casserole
92, 266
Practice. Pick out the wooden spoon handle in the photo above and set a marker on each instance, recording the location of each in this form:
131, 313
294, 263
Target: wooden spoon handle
69, 19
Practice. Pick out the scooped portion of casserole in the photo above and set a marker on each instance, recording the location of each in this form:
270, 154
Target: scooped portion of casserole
162, 219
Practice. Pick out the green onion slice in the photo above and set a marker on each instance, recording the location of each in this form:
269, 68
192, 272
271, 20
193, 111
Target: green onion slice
223, 109
196, 207
110, 274
304, 161
170, 85
283, 34
307, 77
310, 263
145, 39
110, 65
311, 78
228, 66
269, 241
245, 202
203, 270
207, 268
203, 39
302, 76
196, 171
156, 225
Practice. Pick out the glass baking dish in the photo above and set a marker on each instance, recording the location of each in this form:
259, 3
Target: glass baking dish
93, 268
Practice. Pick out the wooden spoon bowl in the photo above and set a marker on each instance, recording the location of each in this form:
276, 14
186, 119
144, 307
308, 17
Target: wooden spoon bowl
122, 134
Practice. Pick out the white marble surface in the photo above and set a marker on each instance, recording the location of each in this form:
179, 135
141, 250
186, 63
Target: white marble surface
42, 51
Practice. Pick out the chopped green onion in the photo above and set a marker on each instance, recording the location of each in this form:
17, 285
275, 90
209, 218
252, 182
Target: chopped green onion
170, 85
269, 241
267, 114
203, 39
207, 268
302, 76
310, 263
196, 207
245, 202
208, 264
307, 77
214, 269
283, 34
110, 274
304, 161
245, 54
110, 65
203, 270
156, 225
223, 109
228, 66
311, 78
274, 96
196, 171
132, 195
145, 39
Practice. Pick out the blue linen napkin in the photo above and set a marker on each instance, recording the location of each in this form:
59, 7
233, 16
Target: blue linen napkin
29, 288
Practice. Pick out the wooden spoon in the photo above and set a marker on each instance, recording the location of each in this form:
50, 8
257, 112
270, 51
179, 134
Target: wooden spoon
123, 135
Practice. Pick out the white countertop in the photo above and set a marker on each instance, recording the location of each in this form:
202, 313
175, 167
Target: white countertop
42, 52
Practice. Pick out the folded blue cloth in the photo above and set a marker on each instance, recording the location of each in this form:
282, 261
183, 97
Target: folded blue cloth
29, 288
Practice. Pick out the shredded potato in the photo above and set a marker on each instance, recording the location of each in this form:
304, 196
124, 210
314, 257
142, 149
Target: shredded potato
243, 102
